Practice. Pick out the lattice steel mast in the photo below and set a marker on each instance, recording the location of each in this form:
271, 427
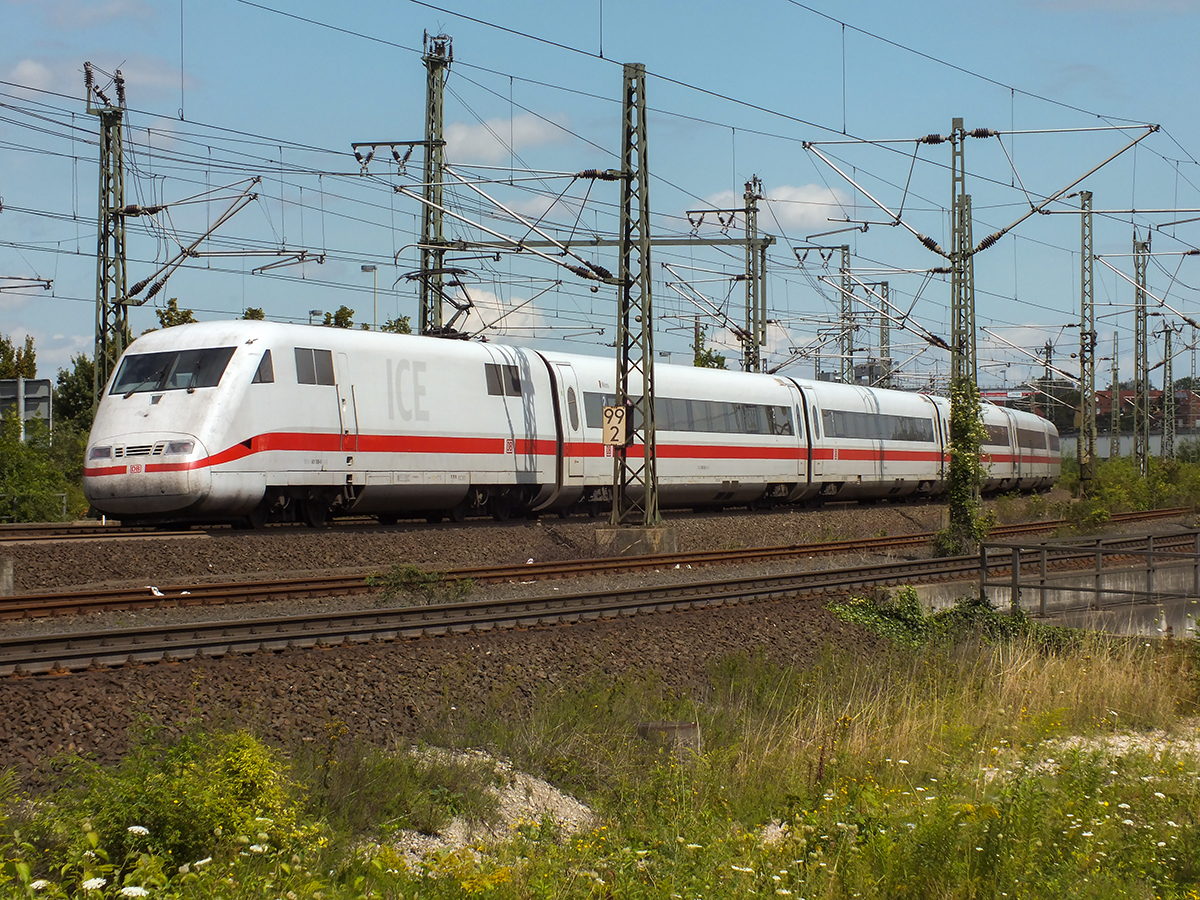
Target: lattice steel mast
846, 321
1167, 449
1114, 406
438, 55
756, 287
1087, 349
635, 477
1141, 358
112, 313
885, 337
962, 279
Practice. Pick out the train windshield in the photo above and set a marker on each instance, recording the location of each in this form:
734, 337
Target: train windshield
174, 370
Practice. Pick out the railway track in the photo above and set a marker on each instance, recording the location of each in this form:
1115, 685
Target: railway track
69, 652
59, 531
64, 603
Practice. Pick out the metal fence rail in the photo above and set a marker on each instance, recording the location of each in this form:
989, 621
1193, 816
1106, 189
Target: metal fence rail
1103, 569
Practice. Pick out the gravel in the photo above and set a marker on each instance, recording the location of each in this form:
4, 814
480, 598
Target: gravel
223, 555
406, 690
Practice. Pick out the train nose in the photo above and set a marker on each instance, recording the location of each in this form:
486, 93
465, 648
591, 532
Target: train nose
129, 475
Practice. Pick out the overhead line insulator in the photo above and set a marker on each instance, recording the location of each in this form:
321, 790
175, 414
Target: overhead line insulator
931, 244
989, 240
600, 174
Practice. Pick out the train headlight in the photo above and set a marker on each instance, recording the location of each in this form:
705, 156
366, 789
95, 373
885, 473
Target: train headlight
179, 447
100, 453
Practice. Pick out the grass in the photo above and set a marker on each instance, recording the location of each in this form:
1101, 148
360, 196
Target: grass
979, 756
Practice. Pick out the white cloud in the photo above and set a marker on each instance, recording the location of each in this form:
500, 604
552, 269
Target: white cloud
145, 77
520, 321
488, 143
807, 208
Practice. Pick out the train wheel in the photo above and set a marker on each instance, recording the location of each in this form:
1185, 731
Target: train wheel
458, 512
258, 517
500, 508
316, 513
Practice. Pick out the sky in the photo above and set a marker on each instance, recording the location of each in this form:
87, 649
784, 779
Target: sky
822, 102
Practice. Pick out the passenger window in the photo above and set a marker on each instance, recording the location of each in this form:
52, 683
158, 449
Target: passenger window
816, 424
572, 409
503, 380
265, 374
494, 385
314, 366
306, 370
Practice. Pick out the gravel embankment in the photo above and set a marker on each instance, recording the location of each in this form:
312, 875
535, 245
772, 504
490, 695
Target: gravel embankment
399, 691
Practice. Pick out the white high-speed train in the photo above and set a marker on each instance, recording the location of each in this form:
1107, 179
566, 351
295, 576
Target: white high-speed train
252, 422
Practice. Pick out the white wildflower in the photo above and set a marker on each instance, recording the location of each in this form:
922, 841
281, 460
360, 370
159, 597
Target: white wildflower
1127, 821
741, 869
94, 884
133, 891
1160, 795
40, 885
257, 848
200, 863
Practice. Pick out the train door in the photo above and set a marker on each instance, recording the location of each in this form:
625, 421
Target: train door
800, 430
816, 437
571, 404
347, 406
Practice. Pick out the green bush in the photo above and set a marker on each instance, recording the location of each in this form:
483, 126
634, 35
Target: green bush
31, 473
192, 796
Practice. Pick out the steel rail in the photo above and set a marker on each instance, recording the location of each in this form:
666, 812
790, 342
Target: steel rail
51, 531
63, 603
42, 654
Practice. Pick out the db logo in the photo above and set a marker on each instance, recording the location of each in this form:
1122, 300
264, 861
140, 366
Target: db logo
509, 447
135, 469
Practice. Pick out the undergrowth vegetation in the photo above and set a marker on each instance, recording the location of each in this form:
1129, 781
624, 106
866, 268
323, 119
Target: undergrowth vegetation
973, 754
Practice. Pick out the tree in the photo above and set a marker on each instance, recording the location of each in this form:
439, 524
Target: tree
31, 483
1187, 383
172, 315
343, 318
254, 313
704, 357
73, 393
17, 362
398, 325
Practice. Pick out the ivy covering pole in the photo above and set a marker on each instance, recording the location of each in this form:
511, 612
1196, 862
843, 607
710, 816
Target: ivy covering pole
968, 525
965, 476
